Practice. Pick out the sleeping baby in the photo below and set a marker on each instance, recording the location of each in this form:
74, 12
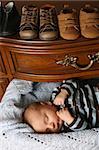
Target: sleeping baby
74, 106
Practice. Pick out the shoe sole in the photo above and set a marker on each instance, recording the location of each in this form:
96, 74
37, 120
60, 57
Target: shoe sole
47, 39
30, 37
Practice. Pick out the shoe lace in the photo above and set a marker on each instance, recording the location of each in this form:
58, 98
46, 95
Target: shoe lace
71, 23
29, 16
46, 17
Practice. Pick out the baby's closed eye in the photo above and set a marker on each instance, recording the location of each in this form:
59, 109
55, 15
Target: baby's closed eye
45, 118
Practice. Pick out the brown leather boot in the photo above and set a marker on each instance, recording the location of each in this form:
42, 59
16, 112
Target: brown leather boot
48, 23
68, 23
89, 21
29, 23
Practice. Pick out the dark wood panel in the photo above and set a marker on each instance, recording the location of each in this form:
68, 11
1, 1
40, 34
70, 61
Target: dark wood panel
58, 3
3, 85
2, 67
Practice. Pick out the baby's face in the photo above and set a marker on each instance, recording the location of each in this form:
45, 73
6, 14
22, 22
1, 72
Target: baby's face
45, 120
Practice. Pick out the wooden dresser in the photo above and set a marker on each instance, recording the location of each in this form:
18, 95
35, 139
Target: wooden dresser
43, 61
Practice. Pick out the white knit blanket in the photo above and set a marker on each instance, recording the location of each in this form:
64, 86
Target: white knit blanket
15, 135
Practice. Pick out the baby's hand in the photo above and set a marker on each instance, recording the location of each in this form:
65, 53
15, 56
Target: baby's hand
60, 98
65, 115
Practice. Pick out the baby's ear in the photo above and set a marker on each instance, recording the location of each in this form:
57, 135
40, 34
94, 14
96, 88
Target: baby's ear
44, 103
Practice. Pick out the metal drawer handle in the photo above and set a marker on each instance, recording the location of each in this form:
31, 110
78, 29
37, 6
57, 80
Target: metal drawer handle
72, 61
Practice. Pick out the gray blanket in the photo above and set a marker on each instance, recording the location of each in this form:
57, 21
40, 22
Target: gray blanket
16, 135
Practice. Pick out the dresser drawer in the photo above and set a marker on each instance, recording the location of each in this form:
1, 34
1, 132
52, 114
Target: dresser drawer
61, 62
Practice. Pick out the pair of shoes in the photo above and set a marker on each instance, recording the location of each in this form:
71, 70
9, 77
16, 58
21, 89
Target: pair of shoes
69, 27
9, 19
43, 24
